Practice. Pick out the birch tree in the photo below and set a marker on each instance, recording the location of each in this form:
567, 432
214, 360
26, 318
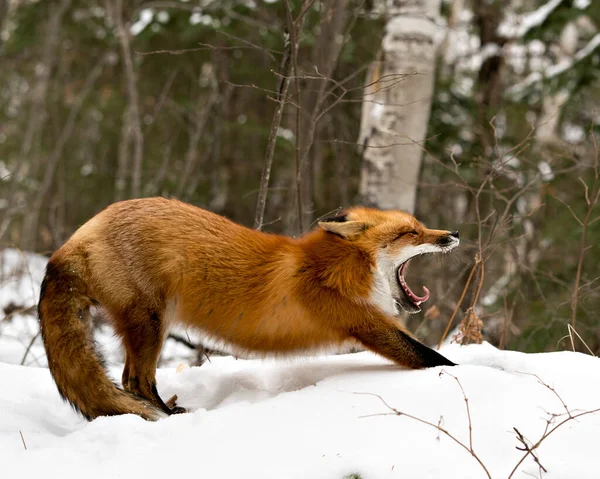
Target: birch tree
396, 110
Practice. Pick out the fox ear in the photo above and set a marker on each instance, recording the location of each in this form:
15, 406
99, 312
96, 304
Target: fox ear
341, 226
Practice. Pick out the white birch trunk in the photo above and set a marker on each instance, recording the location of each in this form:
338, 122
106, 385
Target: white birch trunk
396, 114
548, 123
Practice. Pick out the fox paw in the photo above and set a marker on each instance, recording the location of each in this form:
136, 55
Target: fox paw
172, 405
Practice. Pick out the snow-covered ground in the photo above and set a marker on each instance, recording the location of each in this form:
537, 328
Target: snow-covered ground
316, 418
319, 418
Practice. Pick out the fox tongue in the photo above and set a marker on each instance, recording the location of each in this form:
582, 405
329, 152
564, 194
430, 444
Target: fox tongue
416, 299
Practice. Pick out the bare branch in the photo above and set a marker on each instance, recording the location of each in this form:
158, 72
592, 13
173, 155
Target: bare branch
275, 123
527, 447
462, 297
437, 426
29, 346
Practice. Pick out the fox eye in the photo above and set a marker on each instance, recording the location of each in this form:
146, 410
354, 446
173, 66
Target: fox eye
404, 233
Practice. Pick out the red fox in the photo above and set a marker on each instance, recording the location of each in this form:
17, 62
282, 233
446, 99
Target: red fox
151, 263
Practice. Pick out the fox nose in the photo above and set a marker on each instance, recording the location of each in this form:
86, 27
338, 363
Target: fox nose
454, 234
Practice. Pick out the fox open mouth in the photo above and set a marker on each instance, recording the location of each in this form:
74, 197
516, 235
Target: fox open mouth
410, 297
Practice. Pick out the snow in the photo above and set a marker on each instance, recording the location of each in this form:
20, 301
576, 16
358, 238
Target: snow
580, 55
320, 417
582, 4
146, 17
554, 70
573, 133
546, 171
286, 134
518, 26
204, 19
489, 50
20, 277
163, 16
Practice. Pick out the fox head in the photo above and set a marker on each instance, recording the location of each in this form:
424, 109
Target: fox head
392, 238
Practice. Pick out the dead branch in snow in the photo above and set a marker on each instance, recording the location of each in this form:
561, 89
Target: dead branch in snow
469, 448
529, 448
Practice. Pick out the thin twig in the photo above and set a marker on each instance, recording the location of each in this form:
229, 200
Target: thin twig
443, 371
546, 434
550, 388
591, 201
293, 32
462, 297
572, 331
530, 449
527, 447
428, 423
29, 347
282, 92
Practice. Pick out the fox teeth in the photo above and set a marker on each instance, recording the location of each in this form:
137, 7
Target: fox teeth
417, 300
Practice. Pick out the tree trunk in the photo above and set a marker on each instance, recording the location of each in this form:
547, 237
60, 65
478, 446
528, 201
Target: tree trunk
488, 89
548, 123
313, 102
134, 117
38, 114
395, 109
199, 120
122, 175
31, 221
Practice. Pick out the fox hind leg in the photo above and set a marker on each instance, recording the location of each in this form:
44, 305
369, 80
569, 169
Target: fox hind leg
143, 336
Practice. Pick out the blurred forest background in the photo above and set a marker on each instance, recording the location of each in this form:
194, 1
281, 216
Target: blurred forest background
477, 115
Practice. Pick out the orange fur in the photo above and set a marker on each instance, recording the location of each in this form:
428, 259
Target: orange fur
153, 262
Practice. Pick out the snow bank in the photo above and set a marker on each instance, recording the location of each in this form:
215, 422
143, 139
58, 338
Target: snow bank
303, 418
318, 418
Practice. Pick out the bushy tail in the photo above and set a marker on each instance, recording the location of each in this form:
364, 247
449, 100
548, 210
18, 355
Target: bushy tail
76, 366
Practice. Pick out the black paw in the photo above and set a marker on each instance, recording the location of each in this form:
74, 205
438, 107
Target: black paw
178, 410
172, 405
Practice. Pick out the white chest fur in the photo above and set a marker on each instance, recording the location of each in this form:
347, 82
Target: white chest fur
381, 293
